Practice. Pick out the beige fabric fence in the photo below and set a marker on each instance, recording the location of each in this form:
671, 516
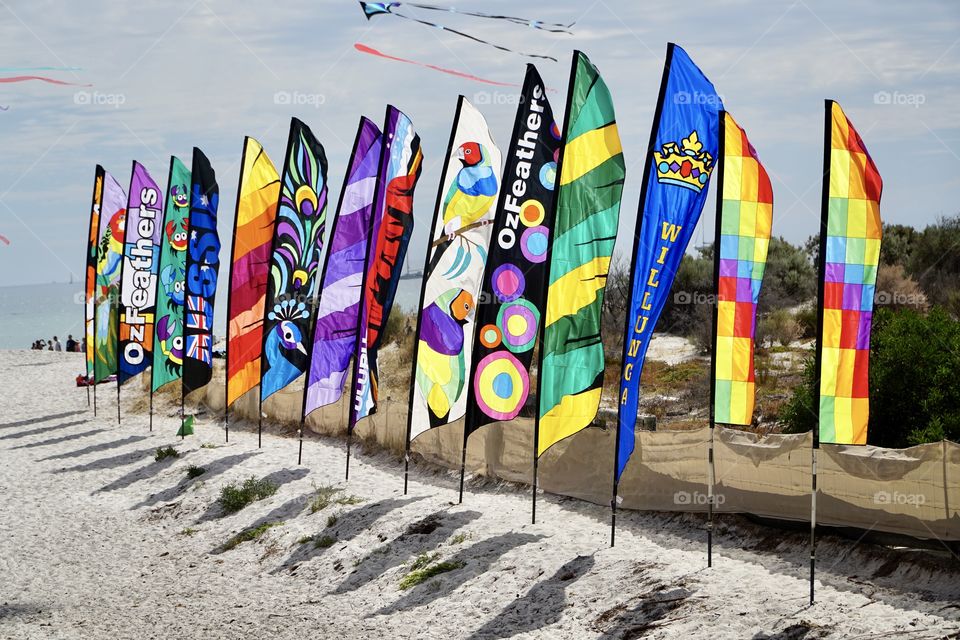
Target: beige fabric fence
913, 491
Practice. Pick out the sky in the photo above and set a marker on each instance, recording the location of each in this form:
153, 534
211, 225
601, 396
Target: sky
167, 76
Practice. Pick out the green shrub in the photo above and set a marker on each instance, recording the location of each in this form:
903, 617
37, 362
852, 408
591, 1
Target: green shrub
423, 574
324, 542
165, 452
234, 498
193, 471
253, 533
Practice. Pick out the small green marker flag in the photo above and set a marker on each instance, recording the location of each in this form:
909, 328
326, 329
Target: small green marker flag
186, 427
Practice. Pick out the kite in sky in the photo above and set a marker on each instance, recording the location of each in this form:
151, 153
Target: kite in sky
11, 79
4, 240
371, 9
362, 48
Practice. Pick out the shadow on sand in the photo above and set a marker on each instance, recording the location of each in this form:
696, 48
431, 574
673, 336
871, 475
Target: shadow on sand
29, 421
94, 448
36, 432
279, 478
212, 470
53, 441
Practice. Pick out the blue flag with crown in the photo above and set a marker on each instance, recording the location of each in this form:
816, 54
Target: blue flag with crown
683, 151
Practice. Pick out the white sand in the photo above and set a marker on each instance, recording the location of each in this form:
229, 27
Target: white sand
91, 546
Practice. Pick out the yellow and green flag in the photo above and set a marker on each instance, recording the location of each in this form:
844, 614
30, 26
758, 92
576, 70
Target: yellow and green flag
850, 232
591, 174
744, 218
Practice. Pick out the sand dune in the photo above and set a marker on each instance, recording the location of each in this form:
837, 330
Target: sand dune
98, 540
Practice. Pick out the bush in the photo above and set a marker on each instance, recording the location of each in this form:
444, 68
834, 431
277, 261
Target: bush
421, 572
914, 368
253, 533
778, 327
234, 498
896, 290
165, 452
194, 471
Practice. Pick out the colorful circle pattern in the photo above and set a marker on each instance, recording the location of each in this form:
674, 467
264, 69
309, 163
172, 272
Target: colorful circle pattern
533, 243
490, 336
548, 175
518, 320
501, 386
508, 282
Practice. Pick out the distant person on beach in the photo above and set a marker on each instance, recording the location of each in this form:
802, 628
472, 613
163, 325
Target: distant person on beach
49, 345
71, 344
56, 344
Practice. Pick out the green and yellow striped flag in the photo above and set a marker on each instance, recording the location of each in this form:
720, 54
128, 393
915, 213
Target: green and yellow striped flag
587, 211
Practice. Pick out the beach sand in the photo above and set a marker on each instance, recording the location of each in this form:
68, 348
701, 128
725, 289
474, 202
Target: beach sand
98, 540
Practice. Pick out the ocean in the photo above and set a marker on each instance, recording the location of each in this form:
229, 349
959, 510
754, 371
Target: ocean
41, 311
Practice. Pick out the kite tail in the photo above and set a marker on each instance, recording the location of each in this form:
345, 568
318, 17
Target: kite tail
552, 27
474, 38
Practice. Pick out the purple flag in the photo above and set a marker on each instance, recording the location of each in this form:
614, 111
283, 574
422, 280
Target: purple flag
335, 335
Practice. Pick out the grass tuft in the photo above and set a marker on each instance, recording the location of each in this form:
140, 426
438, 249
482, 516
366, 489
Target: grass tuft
253, 533
193, 471
421, 575
188, 531
305, 539
208, 445
331, 520
234, 498
165, 452
324, 542
459, 538
322, 497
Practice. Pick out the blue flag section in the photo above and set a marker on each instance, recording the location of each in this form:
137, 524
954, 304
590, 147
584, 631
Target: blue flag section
683, 151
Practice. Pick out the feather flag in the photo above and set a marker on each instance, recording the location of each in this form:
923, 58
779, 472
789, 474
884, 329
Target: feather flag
591, 170
138, 279
168, 336
257, 196
744, 220
400, 164
90, 272
453, 271
295, 256
335, 332
850, 233
515, 278
680, 158
202, 268
111, 236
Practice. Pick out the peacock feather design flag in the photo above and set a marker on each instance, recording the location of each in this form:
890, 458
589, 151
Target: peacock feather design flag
744, 219
335, 333
171, 285
514, 283
202, 266
453, 271
850, 233
592, 171
138, 275
257, 196
111, 234
683, 148
297, 243
90, 269
401, 161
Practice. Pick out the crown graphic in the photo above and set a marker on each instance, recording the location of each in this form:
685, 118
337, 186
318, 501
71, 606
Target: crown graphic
686, 165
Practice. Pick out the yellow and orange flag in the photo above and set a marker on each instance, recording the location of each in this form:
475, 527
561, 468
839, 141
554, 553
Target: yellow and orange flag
849, 255
744, 218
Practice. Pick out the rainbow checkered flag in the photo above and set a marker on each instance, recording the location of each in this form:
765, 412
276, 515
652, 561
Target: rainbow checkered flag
850, 232
744, 218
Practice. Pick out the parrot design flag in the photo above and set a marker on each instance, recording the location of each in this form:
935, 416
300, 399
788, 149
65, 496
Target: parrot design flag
202, 268
90, 271
255, 219
335, 333
138, 275
591, 172
850, 233
453, 271
112, 230
297, 243
168, 336
514, 283
401, 161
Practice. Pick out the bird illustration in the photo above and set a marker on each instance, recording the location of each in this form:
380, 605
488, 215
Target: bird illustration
283, 342
473, 191
111, 249
440, 361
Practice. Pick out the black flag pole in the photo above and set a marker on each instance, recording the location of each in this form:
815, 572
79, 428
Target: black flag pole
711, 465
818, 354
438, 214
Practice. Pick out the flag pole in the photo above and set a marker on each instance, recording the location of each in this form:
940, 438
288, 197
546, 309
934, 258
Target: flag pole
714, 318
633, 267
423, 292
151, 406
315, 308
818, 355
463, 461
